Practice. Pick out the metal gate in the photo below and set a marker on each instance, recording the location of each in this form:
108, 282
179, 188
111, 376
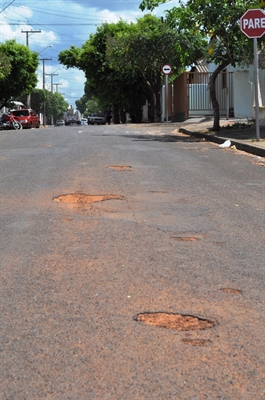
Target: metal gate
199, 101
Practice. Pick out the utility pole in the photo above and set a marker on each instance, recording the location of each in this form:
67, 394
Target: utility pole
51, 75
57, 84
43, 70
43, 87
27, 34
27, 44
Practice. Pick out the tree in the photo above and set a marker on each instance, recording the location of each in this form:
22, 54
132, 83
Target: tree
57, 105
92, 106
81, 104
219, 21
5, 66
107, 85
150, 44
20, 78
123, 62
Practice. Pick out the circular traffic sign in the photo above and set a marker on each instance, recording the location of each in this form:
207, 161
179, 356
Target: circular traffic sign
252, 23
166, 69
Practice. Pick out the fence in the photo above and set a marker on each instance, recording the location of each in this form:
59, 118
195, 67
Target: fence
199, 101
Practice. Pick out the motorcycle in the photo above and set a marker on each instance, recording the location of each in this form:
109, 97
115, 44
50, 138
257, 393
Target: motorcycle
9, 122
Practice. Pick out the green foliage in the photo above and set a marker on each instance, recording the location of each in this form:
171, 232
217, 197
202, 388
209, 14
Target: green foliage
105, 83
123, 62
218, 21
5, 66
151, 4
57, 105
81, 104
147, 46
92, 106
20, 77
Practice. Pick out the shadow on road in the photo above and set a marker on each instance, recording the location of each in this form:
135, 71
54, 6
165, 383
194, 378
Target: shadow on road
164, 138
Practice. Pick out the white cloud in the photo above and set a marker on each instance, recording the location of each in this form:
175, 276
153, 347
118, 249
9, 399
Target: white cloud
62, 24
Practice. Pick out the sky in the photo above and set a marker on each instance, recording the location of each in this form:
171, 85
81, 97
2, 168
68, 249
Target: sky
55, 25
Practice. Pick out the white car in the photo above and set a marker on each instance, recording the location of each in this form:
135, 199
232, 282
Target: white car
96, 118
60, 122
84, 121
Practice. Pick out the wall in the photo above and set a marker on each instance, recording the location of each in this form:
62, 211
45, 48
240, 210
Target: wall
180, 108
243, 95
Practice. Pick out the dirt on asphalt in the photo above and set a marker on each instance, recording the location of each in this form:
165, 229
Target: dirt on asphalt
121, 296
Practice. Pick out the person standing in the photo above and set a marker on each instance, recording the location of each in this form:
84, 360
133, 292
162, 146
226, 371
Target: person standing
108, 115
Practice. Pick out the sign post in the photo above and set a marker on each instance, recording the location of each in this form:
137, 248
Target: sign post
252, 24
166, 69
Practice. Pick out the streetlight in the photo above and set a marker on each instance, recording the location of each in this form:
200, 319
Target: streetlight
45, 49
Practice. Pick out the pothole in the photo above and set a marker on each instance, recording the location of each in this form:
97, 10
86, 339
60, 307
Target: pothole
197, 342
177, 322
184, 239
81, 198
231, 290
120, 167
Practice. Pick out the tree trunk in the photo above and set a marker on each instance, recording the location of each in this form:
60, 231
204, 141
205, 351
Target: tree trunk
116, 114
138, 114
123, 115
157, 106
216, 112
152, 108
157, 95
155, 90
136, 107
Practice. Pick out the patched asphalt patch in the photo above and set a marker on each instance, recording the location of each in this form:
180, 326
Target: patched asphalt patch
81, 198
179, 322
184, 239
123, 168
231, 290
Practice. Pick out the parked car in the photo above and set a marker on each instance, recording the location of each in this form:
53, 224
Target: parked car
27, 117
96, 118
84, 121
60, 122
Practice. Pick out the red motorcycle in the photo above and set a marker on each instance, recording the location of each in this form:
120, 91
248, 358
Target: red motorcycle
8, 121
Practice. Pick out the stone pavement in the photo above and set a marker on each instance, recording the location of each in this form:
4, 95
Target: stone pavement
240, 132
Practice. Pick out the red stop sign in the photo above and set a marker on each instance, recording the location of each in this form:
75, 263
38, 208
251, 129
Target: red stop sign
252, 23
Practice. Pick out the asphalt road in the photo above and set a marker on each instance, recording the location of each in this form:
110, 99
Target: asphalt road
102, 223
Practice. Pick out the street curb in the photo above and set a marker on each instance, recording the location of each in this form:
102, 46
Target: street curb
248, 148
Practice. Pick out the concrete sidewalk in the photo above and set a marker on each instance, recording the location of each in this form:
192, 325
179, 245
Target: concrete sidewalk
241, 134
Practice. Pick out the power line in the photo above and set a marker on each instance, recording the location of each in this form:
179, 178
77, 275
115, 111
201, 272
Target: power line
50, 24
7, 6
